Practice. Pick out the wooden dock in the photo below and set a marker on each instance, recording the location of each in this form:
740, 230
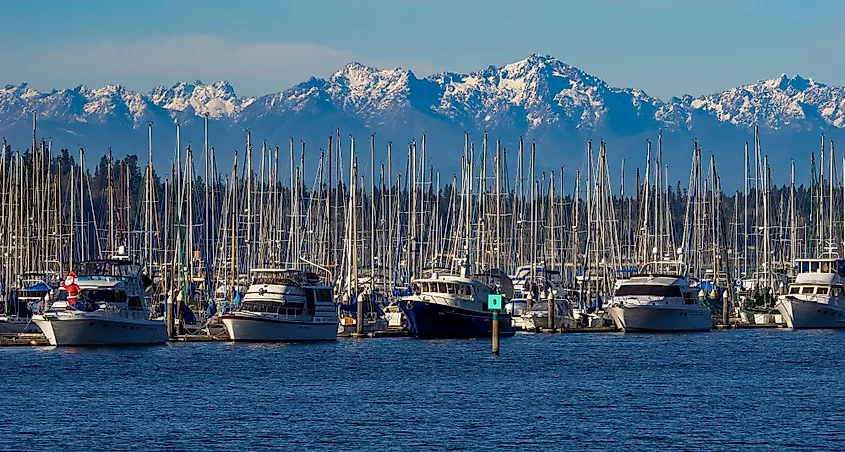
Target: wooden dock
391, 332
38, 339
597, 329
198, 338
747, 326
29, 339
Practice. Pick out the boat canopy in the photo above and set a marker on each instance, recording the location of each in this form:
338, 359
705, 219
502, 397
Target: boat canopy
664, 268
40, 286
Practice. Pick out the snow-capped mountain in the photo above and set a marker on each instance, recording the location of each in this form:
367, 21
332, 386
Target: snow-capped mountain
779, 103
218, 99
539, 97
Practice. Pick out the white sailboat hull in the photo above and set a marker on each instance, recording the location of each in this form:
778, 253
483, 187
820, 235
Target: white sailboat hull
17, 326
252, 329
800, 314
97, 330
661, 318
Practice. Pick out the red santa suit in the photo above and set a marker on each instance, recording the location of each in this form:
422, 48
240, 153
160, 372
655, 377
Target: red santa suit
72, 288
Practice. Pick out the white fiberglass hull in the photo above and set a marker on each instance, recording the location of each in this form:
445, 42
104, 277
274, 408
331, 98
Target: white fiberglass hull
800, 314
95, 330
542, 322
10, 325
252, 329
661, 318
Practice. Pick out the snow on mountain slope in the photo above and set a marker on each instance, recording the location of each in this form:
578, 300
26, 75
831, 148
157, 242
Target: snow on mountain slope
538, 93
218, 99
779, 103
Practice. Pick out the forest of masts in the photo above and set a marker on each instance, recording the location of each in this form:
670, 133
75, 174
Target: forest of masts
208, 224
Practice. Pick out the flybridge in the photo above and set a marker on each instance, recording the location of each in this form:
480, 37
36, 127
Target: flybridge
830, 265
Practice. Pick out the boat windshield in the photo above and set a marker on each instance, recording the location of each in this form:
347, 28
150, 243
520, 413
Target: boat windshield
96, 296
648, 290
284, 279
104, 296
443, 288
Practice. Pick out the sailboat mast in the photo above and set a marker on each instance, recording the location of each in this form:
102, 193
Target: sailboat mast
497, 168
793, 240
372, 211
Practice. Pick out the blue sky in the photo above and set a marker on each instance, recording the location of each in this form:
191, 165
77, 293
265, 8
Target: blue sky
666, 47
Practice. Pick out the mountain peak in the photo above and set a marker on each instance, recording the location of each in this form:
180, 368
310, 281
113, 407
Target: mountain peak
358, 71
796, 82
537, 94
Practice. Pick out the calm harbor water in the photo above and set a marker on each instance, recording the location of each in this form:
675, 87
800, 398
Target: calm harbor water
746, 389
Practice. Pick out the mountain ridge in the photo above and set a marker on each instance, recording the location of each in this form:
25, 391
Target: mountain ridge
539, 97
536, 84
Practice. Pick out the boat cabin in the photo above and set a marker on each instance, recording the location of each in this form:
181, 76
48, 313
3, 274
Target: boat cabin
287, 292
833, 265
452, 290
101, 297
442, 287
809, 289
283, 277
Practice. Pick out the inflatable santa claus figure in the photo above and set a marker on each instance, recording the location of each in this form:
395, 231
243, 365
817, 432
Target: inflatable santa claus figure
69, 284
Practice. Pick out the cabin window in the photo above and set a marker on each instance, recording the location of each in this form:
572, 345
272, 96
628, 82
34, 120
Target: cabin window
272, 307
325, 295
836, 291
825, 267
806, 290
441, 288
804, 267
794, 290
104, 296
465, 290
647, 290
452, 289
814, 267
821, 290
415, 288
135, 303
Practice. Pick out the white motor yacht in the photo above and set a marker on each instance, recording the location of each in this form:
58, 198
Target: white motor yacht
816, 299
112, 308
283, 305
658, 298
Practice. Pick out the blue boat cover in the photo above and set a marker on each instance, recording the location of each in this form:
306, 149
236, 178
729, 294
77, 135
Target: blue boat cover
41, 286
